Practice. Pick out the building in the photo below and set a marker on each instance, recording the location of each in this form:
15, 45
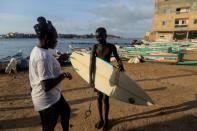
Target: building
174, 20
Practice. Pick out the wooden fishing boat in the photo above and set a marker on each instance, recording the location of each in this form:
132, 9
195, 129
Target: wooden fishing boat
21, 62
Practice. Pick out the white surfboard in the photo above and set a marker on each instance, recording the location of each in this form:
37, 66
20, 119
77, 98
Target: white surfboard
109, 80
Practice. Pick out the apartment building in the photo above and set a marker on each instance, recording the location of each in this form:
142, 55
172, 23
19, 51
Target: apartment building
174, 20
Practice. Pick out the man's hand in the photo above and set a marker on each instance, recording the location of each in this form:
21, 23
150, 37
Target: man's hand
91, 85
121, 68
67, 75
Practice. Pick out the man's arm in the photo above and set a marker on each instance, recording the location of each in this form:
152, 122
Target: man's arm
92, 66
119, 61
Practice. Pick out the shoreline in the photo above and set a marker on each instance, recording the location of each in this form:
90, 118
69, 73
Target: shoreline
172, 87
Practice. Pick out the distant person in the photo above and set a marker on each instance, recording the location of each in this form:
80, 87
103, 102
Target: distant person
45, 76
104, 51
133, 43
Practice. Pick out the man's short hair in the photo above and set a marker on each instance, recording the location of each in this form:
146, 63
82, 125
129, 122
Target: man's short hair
101, 30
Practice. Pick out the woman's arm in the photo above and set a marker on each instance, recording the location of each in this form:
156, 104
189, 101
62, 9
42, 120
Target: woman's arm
51, 83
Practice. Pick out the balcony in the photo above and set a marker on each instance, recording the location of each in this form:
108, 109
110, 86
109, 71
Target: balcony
177, 26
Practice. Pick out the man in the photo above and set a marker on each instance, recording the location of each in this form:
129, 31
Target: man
104, 51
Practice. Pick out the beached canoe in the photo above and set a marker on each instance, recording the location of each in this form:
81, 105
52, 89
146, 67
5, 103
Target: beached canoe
193, 62
22, 63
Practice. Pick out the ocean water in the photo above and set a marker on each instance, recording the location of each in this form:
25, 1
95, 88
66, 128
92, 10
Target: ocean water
9, 47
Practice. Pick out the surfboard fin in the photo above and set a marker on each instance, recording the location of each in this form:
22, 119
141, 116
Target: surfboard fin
131, 100
149, 103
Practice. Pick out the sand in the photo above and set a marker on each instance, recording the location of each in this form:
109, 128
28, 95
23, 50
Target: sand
172, 87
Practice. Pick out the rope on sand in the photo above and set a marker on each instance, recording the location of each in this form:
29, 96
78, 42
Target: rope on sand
89, 111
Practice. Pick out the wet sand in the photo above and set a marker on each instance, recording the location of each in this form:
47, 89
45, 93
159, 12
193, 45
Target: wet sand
172, 87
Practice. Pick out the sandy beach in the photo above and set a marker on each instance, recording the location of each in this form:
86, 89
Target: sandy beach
172, 87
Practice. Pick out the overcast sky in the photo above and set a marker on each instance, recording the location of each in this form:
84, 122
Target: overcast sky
127, 18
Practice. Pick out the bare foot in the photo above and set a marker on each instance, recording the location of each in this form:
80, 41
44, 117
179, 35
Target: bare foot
105, 126
99, 124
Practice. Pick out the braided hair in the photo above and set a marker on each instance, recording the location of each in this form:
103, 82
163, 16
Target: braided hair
44, 28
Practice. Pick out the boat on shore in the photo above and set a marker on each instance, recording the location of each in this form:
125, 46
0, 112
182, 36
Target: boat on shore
22, 63
171, 53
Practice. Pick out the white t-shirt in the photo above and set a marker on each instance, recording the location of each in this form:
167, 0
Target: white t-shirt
43, 66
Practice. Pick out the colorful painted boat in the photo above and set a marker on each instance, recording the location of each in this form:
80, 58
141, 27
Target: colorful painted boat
193, 62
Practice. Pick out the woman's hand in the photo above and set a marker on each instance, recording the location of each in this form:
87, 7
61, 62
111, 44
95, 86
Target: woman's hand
67, 75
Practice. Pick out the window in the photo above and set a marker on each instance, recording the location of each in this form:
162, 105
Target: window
162, 36
176, 22
183, 22
178, 9
195, 21
165, 9
164, 23
182, 10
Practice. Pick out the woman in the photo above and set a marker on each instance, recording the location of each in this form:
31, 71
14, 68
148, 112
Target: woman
45, 76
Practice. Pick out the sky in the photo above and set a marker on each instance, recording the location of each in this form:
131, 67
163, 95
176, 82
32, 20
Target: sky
126, 18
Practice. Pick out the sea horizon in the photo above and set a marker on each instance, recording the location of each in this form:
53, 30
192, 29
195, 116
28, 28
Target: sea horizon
10, 46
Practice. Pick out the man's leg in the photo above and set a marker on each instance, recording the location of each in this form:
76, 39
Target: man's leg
64, 114
100, 123
106, 107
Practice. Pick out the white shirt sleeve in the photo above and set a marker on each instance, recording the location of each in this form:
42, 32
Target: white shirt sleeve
45, 69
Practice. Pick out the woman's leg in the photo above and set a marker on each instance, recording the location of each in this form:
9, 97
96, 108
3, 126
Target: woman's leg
64, 114
49, 118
